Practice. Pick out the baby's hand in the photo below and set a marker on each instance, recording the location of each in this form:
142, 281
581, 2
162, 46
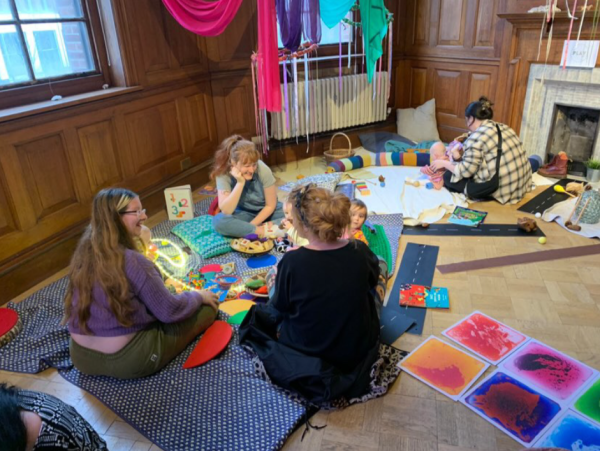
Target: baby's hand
287, 225
456, 153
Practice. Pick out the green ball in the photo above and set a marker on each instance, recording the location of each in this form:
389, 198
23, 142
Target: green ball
542, 240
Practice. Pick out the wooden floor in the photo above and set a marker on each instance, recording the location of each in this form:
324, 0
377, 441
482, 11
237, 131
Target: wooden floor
557, 302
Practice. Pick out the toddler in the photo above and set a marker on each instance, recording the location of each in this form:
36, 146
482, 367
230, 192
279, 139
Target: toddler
287, 224
358, 216
436, 152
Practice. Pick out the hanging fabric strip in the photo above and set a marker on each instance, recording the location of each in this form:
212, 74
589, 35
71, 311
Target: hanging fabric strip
566, 54
333, 11
306, 99
296, 120
252, 64
545, 20
206, 18
286, 97
350, 37
311, 21
596, 17
269, 86
549, 41
379, 77
373, 17
340, 61
266, 133
582, 19
390, 48
289, 16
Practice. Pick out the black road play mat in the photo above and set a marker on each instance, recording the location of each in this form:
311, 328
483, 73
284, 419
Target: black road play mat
509, 230
546, 198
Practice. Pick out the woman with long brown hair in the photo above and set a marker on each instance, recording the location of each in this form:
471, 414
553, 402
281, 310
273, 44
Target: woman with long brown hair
319, 333
122, 319
246, 190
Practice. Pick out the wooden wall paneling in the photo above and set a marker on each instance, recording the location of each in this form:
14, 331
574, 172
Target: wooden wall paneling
452, 16
163, 51
447, 90
231, 50
418, 86
195, 115
153, 135
420, 26
233, 100
7, 213
47, 174
99, 151
485, 24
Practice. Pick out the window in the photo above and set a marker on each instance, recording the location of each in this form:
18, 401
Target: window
328, 35
46, 43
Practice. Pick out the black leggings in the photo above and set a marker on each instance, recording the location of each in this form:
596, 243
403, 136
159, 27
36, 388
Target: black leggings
473, 189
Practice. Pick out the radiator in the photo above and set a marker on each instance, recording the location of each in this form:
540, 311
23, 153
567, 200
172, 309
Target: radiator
357, 103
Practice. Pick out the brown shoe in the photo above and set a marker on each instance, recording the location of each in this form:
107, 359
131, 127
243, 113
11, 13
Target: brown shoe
556, 168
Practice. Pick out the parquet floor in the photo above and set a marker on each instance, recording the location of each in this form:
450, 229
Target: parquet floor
557, 302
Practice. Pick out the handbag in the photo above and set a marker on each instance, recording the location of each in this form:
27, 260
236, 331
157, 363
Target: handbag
485, 190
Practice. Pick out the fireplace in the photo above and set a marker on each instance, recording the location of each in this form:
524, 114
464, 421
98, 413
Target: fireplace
574, 131
562, 111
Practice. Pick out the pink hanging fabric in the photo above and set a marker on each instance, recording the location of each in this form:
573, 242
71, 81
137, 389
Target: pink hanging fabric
269, 91
206, 18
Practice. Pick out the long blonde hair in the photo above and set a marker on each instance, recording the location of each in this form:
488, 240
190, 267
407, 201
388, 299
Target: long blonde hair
233, 150
100, 258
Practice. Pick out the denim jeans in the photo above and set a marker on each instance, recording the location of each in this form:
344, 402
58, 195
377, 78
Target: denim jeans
252, 201
238, 224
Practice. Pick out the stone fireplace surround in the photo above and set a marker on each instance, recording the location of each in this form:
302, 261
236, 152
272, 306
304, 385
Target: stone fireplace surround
550, 86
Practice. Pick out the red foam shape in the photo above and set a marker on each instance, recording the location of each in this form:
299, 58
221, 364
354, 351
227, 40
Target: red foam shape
214, 340
8, 319
215, 267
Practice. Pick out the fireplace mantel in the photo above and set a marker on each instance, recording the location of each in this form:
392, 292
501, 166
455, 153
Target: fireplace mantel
520, 50
535, 19
553, 85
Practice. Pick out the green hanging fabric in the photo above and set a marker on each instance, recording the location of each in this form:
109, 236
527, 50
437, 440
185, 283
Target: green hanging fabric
373, 17
333, 11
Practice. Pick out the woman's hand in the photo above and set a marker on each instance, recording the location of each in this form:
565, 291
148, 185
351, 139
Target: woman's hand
237, 175
439, 164
209, 298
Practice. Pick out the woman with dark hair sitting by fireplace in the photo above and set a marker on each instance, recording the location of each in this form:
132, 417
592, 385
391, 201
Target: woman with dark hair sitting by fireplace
494, 164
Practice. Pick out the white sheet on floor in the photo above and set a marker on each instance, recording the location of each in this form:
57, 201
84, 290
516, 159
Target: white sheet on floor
561, 212
417, 205
539, 180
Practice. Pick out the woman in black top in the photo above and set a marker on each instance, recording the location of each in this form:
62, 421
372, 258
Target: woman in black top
319, 334
32, 420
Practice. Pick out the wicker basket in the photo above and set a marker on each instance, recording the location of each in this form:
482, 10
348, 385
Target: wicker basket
332, 154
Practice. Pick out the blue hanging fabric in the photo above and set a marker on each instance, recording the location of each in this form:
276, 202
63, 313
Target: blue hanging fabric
373, 17
333, 11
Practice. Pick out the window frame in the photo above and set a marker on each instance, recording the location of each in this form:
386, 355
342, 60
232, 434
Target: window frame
67, 85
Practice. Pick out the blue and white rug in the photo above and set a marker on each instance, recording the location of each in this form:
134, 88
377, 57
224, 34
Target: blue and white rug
222, 405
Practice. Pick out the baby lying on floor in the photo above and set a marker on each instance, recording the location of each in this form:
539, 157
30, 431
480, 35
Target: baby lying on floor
439, 151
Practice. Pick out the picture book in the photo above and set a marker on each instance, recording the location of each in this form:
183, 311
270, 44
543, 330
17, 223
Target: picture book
467, 217
423, 296
179, 203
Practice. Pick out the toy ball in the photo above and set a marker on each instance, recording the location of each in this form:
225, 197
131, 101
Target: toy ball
542, 240
429, 185
538, 215
299, 177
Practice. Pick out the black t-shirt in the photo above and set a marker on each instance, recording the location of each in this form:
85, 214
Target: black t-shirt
326, 301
